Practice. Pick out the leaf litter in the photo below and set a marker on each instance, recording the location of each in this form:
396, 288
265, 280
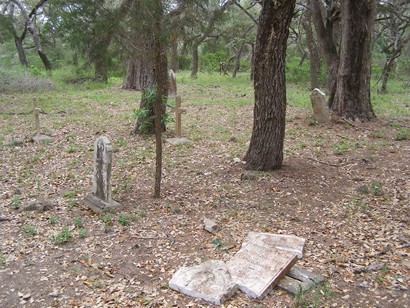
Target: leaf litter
357, 238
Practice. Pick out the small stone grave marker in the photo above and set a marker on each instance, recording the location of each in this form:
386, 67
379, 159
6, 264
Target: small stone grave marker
321, 112
257, 268
100, 199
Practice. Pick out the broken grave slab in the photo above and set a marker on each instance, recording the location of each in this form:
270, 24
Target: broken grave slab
257, 268
289, 243
210, 281
299, 280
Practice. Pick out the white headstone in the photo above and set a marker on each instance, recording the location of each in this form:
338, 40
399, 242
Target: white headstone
321, 112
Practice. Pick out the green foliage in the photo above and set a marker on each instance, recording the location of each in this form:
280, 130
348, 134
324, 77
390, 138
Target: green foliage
341, 147
106, 218
29, 229
402, 134
218, 243
209, 62
376, 188
145, 115
123, 219
16, 201
52, 219
82, 233
63, 236
313, 297
78, 222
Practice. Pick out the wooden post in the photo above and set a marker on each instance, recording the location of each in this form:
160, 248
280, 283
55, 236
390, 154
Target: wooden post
178, 116
36, 112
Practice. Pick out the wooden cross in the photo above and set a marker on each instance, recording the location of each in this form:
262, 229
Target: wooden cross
178, 111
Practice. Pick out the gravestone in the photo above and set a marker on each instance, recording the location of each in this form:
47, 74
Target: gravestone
172, 84
257, 268
321, 112
286, 242
100, 199
209, 281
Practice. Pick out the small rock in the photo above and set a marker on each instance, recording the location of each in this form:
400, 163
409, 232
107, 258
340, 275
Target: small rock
210, 226
44, 139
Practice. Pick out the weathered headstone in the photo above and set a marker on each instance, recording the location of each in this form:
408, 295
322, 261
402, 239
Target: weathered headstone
290, 243
100, 199
257, 268
321, 112
209, 281
172, 84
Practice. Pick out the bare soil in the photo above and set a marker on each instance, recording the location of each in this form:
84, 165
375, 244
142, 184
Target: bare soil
344, 187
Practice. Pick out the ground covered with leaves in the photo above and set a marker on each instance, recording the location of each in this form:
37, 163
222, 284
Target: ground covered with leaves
344, 187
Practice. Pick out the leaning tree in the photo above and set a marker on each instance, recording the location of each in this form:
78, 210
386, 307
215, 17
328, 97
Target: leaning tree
266, 147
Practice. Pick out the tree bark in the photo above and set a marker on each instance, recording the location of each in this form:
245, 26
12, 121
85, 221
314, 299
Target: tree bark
132, 78
149, 84
237, 65
195, 60
18, 41
327, 44
313, 52
266, 146
352, 97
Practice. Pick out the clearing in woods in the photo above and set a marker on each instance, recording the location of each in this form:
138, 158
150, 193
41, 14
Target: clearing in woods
344, 188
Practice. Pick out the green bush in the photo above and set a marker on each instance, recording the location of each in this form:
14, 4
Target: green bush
209, 62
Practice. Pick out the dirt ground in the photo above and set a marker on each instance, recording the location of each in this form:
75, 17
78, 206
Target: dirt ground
344, 187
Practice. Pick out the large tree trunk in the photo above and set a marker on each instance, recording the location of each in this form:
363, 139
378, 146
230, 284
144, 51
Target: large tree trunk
266, 147
352, 97
132, 79
325, 33
148, 79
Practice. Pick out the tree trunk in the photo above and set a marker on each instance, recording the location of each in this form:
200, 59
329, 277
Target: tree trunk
266, 147
146, 123
195, 60
133, 74
237, 65
32, 28
313, 52
386, 73
352, 97
20, 50
327, 44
